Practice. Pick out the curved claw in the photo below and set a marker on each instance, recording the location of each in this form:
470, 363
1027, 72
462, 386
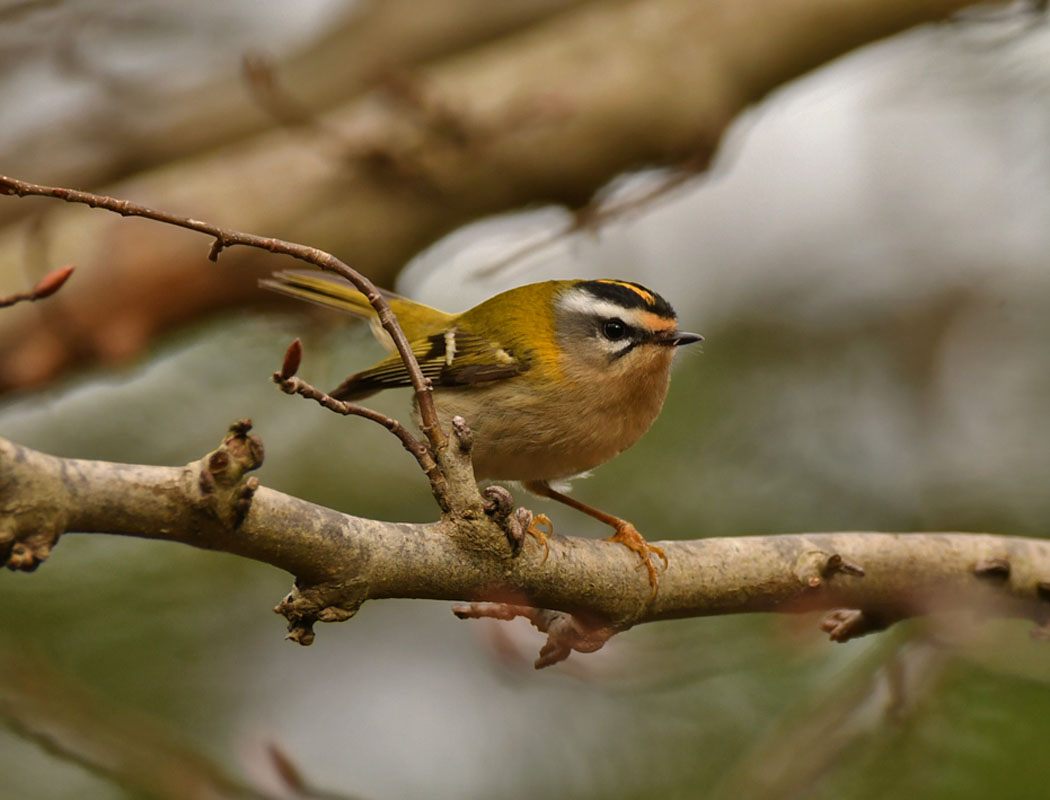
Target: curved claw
535, 530
627, 535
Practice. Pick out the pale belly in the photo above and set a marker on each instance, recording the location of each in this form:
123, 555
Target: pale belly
525, 437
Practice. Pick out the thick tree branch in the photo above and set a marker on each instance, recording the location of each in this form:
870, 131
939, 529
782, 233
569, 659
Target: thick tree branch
340, 561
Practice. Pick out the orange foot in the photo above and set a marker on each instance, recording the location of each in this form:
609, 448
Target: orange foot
627, 535
537, 532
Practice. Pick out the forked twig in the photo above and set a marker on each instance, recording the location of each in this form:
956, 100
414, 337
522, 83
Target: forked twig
285, 378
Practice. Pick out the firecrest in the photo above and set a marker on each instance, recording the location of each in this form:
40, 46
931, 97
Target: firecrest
553, 378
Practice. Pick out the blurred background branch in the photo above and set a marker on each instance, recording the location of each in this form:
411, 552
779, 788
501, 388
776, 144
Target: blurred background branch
137, 125
138, 754
664, 79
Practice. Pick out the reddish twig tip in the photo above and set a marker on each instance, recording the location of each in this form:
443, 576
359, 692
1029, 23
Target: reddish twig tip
46, 287
293, 357
52, 282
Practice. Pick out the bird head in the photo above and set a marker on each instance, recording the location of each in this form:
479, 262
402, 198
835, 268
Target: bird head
616, 328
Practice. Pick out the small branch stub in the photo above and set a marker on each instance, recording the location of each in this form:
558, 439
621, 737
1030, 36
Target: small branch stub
305, 606
223, 489
994, 569
814, 567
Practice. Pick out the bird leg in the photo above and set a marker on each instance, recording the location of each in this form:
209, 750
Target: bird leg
626, 534
539, 529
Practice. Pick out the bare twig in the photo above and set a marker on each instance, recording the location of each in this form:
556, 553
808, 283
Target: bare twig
45, 287
596, 214
224, 237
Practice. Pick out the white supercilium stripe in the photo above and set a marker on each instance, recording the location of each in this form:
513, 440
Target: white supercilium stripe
584, 302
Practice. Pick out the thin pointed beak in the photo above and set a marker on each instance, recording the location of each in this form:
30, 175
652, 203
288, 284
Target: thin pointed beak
681, 337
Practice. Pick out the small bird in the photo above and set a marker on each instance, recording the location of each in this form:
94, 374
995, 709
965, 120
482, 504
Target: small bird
553, 378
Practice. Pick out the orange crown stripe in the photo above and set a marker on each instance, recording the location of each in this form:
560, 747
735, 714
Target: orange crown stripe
642, 293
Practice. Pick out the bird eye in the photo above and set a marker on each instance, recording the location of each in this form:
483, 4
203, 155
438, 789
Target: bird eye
614, 329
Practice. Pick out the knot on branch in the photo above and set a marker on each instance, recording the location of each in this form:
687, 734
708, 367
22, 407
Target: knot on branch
993, 569
33, 509
24, 553
224, 491
814, 567
565, 632
305, 606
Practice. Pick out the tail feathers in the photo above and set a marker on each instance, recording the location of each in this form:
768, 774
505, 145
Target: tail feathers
325, 290
417, 320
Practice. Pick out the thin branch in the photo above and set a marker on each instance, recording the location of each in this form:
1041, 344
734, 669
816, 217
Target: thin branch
340, 561
598, 213
225, 237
